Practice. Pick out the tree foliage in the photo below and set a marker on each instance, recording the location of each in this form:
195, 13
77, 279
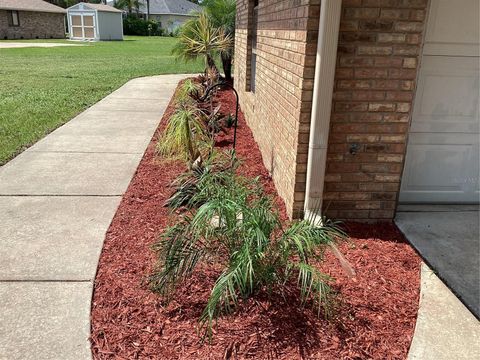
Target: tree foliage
198, 38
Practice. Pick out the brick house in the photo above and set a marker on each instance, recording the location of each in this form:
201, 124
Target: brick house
31, 19
362, 104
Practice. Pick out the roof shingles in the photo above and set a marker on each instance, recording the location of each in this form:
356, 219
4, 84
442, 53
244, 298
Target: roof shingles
30, 5
177, 7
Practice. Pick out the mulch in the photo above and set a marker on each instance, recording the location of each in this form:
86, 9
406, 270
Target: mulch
377, 308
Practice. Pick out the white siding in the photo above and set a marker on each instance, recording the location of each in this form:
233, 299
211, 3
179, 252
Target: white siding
110, 26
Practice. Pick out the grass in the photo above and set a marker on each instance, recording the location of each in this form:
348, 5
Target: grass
42, 88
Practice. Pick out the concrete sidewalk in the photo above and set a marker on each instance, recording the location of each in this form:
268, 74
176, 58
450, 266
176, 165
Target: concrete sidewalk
57, 200
445, 329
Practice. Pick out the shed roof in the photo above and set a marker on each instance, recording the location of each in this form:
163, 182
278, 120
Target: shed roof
98, 7
30, 5
101, 7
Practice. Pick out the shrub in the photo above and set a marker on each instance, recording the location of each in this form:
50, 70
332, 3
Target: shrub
237, 226
185, 136
135, 26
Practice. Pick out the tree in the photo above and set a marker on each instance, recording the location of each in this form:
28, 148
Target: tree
222, 15
199, 38
129, 6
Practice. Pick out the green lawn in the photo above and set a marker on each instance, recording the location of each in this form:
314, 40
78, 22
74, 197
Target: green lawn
42, 88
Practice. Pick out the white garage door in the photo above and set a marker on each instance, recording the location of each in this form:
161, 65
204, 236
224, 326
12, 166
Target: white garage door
442, 162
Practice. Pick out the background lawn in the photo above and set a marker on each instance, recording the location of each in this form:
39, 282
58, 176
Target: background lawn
42, 88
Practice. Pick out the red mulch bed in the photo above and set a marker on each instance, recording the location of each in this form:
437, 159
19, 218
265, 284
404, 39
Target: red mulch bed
378, 308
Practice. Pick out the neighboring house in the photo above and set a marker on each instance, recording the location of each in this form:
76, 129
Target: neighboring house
363, 104
169, 13
94, 22
31, 19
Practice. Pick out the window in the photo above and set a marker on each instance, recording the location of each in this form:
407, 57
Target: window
13, 18
253, 65
252, 45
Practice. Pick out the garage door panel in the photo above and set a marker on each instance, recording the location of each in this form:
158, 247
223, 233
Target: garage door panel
439, 172
452, 28
442, 160
447, 95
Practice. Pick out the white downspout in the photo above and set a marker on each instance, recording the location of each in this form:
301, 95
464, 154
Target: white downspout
328, 28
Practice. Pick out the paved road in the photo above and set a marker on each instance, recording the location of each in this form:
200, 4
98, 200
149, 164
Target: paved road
57, 200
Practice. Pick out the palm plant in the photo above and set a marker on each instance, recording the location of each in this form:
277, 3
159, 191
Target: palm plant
185, 135
198, 38
222, 15
197, 185
239, 228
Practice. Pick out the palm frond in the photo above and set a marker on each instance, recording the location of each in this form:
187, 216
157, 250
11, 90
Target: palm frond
179, 253
313, 285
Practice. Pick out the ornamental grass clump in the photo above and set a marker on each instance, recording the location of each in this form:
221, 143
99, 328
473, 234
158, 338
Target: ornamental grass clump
237, 227
185, 136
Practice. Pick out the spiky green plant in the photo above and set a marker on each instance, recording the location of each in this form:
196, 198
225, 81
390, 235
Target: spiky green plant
185, 135
239, 228
189, 92
198, 38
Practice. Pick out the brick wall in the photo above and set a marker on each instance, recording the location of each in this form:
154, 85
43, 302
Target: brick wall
33, 25
279, 110
378, 55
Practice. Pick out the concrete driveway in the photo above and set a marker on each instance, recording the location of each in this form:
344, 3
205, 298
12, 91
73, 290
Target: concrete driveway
447, 238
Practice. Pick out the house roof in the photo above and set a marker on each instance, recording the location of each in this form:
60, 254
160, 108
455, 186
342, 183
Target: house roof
101, 7
30, 5
173, 7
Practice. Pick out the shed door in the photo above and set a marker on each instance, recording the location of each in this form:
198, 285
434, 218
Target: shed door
83, 26
442, 161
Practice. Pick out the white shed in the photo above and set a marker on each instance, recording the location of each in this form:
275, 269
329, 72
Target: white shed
94, 22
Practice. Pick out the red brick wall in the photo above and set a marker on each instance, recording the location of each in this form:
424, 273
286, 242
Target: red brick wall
378, 55
33, 25
279, 110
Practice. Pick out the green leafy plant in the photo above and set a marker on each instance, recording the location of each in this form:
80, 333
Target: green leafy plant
198, 38
185, 135
229, 121
194, 187
189, 92
238, 228
222, 15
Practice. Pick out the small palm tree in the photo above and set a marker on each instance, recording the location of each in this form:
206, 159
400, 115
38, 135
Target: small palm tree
222, 14
198, 38
238, 227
